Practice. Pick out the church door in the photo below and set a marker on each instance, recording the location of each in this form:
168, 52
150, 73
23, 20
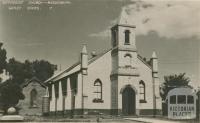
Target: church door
128, 101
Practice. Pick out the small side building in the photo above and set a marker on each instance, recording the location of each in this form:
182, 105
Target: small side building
182, 103
33, 91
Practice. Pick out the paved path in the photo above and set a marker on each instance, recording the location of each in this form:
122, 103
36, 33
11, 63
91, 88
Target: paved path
150, 120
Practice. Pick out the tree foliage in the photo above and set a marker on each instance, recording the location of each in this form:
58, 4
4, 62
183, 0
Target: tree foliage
22, 71
2, 58
17, 70
173, 81
10, 93
42, 69
10, 90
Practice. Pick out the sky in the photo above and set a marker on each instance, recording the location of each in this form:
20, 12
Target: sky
171, 28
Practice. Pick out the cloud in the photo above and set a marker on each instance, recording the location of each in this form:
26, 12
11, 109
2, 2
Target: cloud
24, 44
32, 44
171, 19
106, 32
102, 34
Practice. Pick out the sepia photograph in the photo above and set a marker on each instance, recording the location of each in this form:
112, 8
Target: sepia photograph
108, 61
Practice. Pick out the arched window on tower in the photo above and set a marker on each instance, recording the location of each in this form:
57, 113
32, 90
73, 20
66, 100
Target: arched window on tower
127, 37
127, 60
142, 92
98, 91
33, 98
114, 37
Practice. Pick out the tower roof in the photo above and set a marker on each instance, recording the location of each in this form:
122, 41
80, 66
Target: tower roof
124, 18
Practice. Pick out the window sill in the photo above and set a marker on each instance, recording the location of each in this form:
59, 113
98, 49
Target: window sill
143, 101
127, 44
98, 101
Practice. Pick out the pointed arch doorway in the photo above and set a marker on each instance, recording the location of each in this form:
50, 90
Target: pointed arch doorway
128, 101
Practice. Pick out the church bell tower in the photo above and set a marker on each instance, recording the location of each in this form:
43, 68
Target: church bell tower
123, 36
124, 61
124, 53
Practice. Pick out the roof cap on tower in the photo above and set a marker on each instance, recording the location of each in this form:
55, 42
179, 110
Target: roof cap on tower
84, 50
154, 55
124, 18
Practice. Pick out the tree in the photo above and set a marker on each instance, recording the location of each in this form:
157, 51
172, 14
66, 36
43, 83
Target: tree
22, 71
10, 90
2, 59
17, 70
10, 94
173, 81
43, 69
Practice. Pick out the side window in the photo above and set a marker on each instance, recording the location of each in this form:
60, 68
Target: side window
127, 37
190, 99
173, 99
181, 99
142, 92
98, 91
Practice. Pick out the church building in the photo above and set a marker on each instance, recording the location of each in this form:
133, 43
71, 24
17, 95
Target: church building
117, 82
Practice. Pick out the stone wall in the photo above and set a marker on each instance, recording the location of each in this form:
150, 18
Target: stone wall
25, 105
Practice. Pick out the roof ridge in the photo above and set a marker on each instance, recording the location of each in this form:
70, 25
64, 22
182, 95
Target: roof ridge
92, 59
61, 72
145, 62
26, 83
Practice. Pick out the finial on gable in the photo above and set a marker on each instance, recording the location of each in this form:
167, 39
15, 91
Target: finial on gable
84, 60
84, 50
154, 55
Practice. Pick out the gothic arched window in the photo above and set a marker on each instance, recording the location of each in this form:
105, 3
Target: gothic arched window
98, 91
128, 58
114, 37
142, 92
127, 37
33, 98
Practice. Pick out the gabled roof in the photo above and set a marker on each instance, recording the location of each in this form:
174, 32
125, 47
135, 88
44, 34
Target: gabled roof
34, 79
62, 72
91, 60
145, 62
